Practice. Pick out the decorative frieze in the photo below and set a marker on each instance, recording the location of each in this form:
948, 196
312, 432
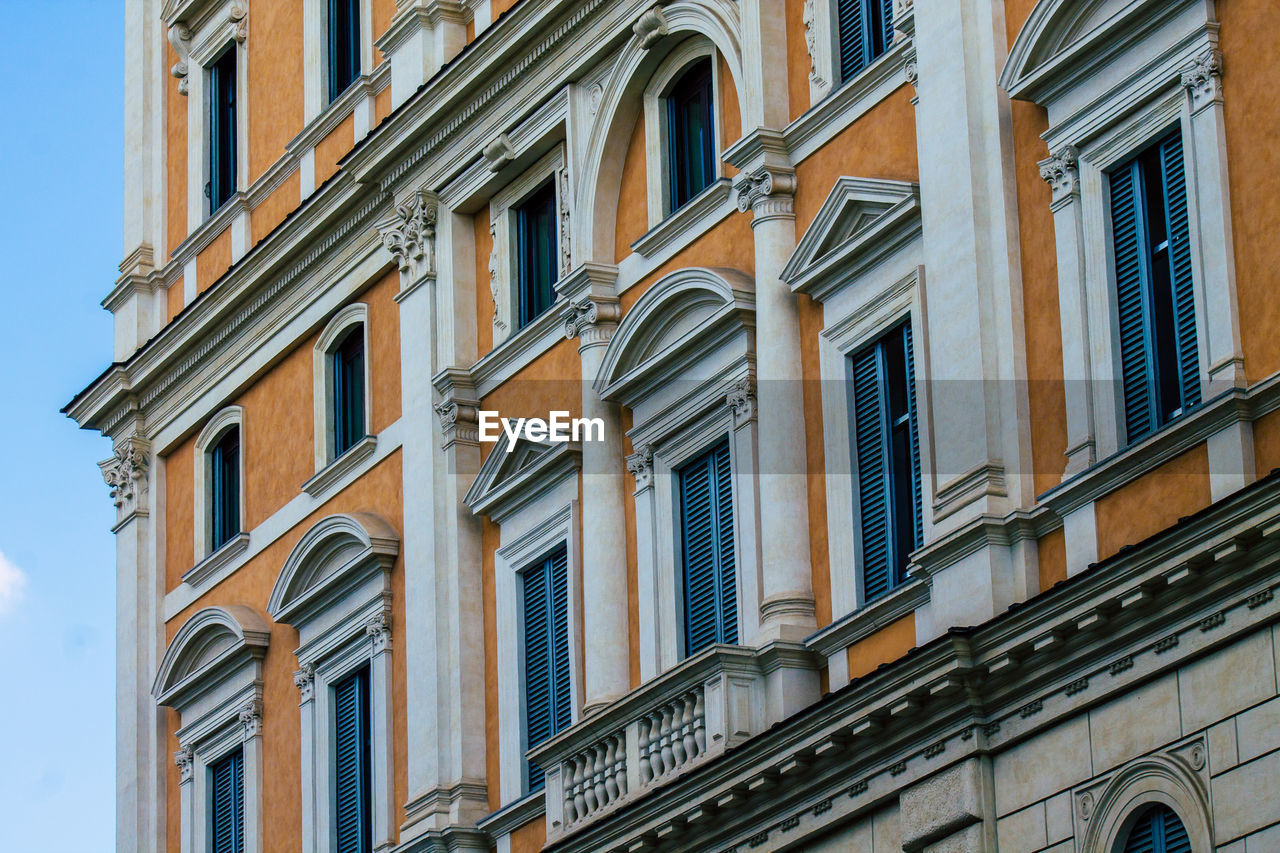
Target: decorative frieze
1203, 79
566, 232
810, 17
409, 235
1061, 171
126, 474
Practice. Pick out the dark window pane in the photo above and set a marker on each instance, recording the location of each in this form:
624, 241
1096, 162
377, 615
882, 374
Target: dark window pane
222, 130
348, 391
691, 134
224, 489
536, 260
344, 45
865, 30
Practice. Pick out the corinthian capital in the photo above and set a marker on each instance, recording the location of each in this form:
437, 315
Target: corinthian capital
1203, 79
126, 473
640, 464
410, 235
1061, 171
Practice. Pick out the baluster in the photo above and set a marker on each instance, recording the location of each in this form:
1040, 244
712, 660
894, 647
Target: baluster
655, 743
610, 786
588, 786
646, 769
597, 777
579, 801
668, 758
700, 721
677, 733
690, 742
620, 771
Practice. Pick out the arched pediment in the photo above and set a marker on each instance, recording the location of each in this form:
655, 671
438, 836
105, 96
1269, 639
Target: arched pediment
336, 552
212, 643
684, 314
1061, 35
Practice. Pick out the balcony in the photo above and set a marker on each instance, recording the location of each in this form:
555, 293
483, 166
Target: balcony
664, 729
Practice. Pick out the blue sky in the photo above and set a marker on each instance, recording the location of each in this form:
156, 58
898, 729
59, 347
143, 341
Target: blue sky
60, 187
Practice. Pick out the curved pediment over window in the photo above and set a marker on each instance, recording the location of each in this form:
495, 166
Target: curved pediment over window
680, 319
214, 644
333, 557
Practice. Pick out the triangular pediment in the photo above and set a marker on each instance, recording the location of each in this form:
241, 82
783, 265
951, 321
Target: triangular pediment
516, 469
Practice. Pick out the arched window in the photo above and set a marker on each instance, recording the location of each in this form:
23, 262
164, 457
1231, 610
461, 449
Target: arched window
219, 494
224, 488
691, 133
1158, 830
342, 385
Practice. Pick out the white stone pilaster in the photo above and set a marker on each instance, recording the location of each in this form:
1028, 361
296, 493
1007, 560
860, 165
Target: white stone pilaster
423, 36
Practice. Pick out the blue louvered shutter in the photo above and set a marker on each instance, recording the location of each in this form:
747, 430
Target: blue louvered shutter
1184, 306
709, 564
352, 829
871, 454
886, 16
1128, 228
917, 498
548, 705
852, 37
227, 804
1159, 830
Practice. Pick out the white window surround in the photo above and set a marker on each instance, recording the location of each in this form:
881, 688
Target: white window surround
503, 271
202, 515
860, 258
822, 39
335, 589
322, 397
532, 494
315, 28
211, 674
1161, 72
683, 361
657, 165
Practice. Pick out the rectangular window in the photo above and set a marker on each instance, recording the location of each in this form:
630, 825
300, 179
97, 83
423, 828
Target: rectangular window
226, 821
222, 130
706, 528
224, 485
353, 831
348, 391
344, 45
536, 262
1155, 303
547, 701
691, 154
865, 30
886, 449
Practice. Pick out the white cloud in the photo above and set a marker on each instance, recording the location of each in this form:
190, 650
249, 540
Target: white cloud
12, 581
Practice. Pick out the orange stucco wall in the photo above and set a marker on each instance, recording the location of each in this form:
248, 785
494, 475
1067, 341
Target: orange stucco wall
1153, 502
498, 7
529, 837
213, 261
276, 112
175, 299
884, 646
1266, 443
333, 148
633, 565
811, 320
730, 109
175, 106
798, 63
1052, 558
378, 491
633, 205
382, 13
276, 207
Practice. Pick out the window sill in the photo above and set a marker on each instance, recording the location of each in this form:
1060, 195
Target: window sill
209, 230
869, 618
218, 560
338, 469
688, 221
518, 351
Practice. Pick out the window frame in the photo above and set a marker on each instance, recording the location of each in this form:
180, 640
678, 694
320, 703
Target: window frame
222, 181
212, 773
869, 55
700, 72
523, 639
525, 253
335, 86
325, 413
203, 514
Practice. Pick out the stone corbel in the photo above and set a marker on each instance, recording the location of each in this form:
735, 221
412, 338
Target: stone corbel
650, 27
458, 409
184, 757
410, 236
1203, 80
378, 629
250, 718
305, 680
180, 40
499, 153
126, 473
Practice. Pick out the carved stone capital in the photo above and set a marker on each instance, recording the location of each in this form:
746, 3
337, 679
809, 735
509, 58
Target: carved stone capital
1061, 171
458, 409
651, 26
126, 473
305, 680
250, 718
592, 320
640, 464
741, 400
378, 629
410, 236
184, 757
768, 192
1203, 79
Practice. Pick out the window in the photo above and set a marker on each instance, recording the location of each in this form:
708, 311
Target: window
1158, 831
224, 489
536, 258
351, 812
1155, 303
691, 134
348, 391
344, 45
226, 813
546, 653
222, 130
886, 452
865, 29
706, 527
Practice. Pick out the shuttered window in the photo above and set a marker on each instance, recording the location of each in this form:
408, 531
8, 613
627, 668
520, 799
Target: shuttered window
224, 489
353, 831
546, 653
1159, 830
222, 130
344, 45
691, 154
707, 555
226, 804
886, 450
1155, 303
348, 391
865, 29
536, 262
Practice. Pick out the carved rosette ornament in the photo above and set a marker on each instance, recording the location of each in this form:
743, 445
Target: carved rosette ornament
410, 235
640, 464
1061, 171
305, 680
250, 718
741, 399
768, 193
911, 71
184, 757
378, 629
1203, 79
126, 474
591, 320
650, 27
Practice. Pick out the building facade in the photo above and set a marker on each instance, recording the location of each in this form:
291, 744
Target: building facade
913, 386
